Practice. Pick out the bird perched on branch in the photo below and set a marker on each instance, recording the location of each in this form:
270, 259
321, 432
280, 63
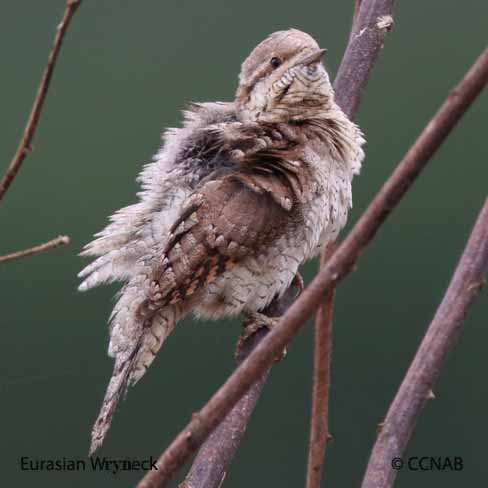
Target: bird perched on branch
234, 202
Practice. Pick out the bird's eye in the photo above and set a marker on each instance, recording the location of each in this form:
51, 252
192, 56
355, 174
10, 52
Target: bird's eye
275, 62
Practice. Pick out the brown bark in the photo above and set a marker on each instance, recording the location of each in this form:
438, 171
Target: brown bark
371, 23
319, 420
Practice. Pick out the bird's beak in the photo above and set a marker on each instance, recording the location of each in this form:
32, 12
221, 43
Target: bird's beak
313, 57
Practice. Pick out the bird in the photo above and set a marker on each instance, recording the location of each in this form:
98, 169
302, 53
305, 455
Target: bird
232, 204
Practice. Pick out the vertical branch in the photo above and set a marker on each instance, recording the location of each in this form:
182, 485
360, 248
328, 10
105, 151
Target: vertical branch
319, 423
25, 143
365, 41
442, 335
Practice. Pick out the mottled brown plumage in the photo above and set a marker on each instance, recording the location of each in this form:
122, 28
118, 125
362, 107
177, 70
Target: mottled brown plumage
232, 205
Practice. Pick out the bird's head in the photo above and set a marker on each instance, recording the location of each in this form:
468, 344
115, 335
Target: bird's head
283, 79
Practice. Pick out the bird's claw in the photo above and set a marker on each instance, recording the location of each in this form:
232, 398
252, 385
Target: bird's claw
298, 282
254, 322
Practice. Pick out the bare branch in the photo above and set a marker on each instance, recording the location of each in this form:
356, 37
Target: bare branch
25, 143
370, 24
442, 335
319, 423
365, 42
57, 242
340, 264
210, 465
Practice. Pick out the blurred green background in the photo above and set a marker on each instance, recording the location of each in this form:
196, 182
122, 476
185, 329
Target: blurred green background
126, 70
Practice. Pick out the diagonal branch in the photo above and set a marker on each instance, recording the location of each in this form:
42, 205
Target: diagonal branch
25, 143
339, 265
442, 335
52, 244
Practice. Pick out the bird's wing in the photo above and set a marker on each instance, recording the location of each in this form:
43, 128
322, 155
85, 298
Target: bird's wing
235, 212
226, 220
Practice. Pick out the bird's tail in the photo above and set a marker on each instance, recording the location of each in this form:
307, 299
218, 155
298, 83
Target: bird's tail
132, 363
118, 384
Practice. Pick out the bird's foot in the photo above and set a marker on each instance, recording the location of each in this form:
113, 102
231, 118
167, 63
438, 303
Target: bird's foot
298, 282
254, 322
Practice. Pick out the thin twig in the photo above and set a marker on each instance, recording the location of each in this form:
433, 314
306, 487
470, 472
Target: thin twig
365, 42
57, 242
210, 464
340, 264
442, 335
319, 420
25, 143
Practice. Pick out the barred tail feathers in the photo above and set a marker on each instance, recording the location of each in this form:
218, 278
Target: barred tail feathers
131, 364
118, 384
